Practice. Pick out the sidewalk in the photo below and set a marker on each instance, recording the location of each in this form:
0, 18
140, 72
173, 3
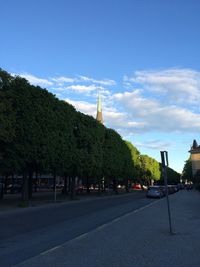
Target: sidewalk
138, 239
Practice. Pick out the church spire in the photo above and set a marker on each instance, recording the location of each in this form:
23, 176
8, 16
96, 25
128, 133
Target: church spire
99, 108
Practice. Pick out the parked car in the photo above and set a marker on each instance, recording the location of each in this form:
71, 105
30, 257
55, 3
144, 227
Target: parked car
136, 186
163, 189
155, 192
172, 189
14, 188
180, 186
58, 186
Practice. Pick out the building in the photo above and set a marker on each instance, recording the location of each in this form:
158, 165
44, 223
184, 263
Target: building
99, 108
195, 157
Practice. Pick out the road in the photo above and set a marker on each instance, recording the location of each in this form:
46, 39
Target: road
29, 232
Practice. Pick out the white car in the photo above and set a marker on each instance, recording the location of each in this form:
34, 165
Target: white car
155, 191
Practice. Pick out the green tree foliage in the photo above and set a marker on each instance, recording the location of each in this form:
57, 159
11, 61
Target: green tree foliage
150, 169
41, 134
136, 162
7, 122
187, 170
187, 174
116, 159
89, 135
173, 177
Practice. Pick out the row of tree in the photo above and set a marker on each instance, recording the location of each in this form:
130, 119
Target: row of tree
187, 174
41, 134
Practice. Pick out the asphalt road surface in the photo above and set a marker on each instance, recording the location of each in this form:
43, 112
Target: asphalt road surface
29, 232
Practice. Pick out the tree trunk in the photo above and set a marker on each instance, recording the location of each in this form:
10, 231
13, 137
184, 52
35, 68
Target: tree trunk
30, 184
25, 188
36, 182
6, 184
54, 186
68, 185
88, 185
72, 191
54, 181
1, 190
65, 191
127, 185
99, 187
115, 189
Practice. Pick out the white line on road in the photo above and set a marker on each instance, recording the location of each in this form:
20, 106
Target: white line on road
44, 253
79, 237
123, 216
100, 227
51, 249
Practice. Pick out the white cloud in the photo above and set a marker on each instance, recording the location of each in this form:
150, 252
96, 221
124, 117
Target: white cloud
83, 106
173, 85
82, 88
35, 80
60, 89
62, 80
151, 115
102, 82
155, 144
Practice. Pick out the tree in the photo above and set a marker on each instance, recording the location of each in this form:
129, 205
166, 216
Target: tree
150, 169
116, 159
41, 134
187, 170
136, 163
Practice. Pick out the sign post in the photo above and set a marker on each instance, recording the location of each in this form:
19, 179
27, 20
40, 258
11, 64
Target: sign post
164, 161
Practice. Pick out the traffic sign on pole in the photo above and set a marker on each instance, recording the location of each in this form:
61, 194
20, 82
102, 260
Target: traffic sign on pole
164, 162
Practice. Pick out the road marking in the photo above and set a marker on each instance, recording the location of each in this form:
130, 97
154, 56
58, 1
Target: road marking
142, 208
121, 217
80, 236
49, 250
92, 231
101, 227
116, 219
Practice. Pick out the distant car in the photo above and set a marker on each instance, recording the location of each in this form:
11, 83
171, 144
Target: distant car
79, 189
136, 186
172, 189
155, 192
14, 188
163, 189
58, 186
180, 186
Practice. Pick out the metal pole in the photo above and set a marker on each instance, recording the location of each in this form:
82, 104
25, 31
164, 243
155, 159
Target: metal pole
164, 157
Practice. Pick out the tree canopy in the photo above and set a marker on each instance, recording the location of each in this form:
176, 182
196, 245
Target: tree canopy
42, 134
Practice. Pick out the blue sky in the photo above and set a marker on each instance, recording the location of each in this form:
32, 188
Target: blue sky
142, 54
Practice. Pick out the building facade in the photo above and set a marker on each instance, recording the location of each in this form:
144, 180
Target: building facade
195, 157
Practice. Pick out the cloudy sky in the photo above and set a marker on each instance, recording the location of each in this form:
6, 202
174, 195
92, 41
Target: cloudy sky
141, 54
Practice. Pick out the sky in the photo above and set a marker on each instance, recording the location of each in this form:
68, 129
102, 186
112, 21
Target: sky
143, 55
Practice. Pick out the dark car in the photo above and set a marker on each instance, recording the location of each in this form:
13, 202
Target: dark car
14, 188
